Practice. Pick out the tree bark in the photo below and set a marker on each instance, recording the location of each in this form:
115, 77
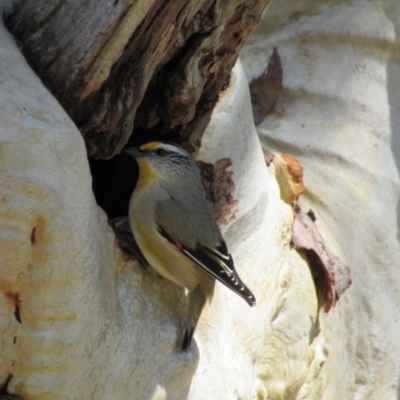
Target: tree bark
117, 66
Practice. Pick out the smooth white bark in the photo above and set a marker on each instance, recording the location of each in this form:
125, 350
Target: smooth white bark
342, 120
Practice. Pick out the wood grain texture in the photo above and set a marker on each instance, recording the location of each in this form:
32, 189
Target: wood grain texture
116, 65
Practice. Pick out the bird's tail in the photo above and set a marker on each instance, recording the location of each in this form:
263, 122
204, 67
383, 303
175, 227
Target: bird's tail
196, 300
195, 304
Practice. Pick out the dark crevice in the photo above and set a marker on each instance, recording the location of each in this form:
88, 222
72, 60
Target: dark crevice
4, 386
13, 297
4, 394
17, 313
33, 236
113, 183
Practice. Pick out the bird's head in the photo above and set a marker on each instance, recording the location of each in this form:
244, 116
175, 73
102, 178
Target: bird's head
166, 159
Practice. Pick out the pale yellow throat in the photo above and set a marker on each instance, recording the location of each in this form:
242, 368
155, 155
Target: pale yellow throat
146, 175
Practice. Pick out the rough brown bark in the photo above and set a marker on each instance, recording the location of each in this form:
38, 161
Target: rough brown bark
119, 65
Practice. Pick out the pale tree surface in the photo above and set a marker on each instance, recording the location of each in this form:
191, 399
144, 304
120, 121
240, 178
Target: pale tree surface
341, 118
79, 319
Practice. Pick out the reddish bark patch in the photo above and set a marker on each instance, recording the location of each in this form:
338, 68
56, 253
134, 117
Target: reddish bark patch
289, 175
294, 167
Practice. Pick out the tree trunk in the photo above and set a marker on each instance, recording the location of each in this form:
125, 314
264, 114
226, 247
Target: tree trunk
117, 66
79, 319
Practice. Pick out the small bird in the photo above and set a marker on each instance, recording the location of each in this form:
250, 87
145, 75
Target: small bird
175, 229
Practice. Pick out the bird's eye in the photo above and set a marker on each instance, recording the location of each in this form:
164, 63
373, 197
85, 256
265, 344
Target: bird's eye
161, 152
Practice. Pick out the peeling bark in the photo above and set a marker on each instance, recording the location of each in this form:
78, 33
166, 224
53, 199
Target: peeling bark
267, 90
126, 242
218, 186
332, 277
117, 65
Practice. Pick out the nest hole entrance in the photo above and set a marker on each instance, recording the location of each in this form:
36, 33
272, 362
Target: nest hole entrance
113, 183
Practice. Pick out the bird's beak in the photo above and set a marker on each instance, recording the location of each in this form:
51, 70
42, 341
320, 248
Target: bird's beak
133, 151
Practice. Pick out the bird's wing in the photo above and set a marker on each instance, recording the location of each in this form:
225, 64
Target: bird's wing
217, 262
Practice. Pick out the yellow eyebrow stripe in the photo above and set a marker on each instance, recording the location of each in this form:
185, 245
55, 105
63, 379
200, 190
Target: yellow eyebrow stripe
149, 146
